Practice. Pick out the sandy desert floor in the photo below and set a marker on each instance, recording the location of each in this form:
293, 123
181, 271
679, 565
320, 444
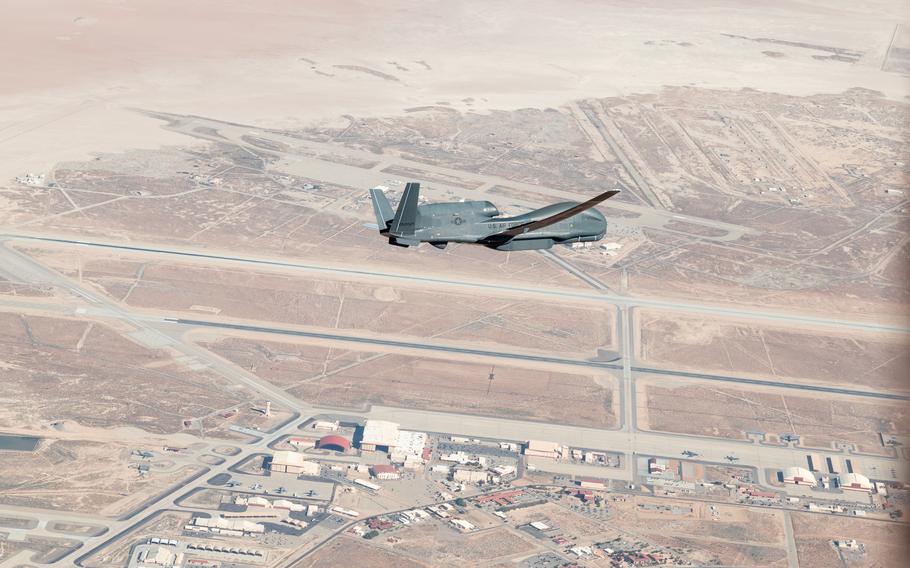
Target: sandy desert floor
79, 67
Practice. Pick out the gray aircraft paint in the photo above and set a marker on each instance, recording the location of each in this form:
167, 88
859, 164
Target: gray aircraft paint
479, 222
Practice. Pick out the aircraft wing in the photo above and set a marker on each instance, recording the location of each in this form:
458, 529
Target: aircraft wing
552, 219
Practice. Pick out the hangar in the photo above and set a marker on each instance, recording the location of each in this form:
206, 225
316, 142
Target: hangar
799, 476
334, 443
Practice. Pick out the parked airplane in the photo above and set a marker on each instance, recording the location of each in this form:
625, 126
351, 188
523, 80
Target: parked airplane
479, 222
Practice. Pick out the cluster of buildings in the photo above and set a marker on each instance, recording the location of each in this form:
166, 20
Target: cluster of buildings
850, 481
556, 451
221, 525
407, 448
383, 523
255, 505
170, 553
462, 467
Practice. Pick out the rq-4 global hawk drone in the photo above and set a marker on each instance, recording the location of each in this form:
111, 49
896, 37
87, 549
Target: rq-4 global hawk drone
478, 222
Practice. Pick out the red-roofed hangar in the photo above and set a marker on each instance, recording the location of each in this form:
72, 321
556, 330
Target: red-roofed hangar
334, 443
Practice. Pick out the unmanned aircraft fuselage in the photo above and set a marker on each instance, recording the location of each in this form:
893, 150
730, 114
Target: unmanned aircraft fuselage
479, 222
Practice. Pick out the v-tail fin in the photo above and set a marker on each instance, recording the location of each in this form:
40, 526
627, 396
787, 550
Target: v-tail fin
382, 209
405, 219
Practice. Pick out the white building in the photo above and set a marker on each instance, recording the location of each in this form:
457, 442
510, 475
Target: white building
413, 462
408, 444
503, 470
385, 471
236, 527
462, 525
379, 435
469, 475
287, 462
457, 457
542, 449
799, 476
158, 556
855, 482
367, 484
292, 462
325, 425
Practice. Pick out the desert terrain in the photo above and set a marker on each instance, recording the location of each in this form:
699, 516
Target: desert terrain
190, 283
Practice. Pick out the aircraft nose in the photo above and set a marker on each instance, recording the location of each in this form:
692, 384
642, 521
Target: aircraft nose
599, 220
597, 223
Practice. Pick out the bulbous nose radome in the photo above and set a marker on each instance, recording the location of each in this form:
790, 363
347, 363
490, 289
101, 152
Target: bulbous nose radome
597, 220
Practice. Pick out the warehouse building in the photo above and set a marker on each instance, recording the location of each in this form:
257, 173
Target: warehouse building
541, 449
326, 425
408, 444
591, 483
294, 463
855, 482
235, 527
385, 471
466, 475
799, 476
379, 436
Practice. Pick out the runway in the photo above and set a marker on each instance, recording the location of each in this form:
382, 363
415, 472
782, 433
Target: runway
602, 296
528, 357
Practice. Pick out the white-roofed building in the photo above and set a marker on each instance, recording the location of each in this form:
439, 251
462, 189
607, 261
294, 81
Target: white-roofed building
408, 444
158, 556
542, 449
470, 475
413, 462
310, 468
379, 435
855, 482
303, 443
287, 462
799, 476
325, 425
256, 502
227, 526
503, 470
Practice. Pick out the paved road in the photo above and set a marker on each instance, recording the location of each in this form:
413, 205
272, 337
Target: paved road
792, 556
170, 332
575, 271
790, 317
444, 348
